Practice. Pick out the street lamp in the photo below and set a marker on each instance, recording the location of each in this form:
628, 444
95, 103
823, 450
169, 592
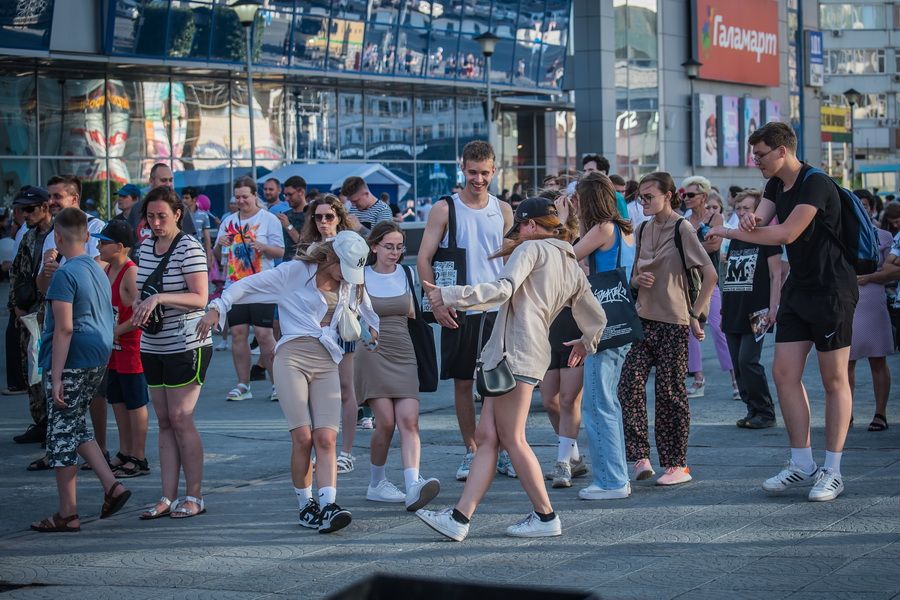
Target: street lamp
692, 70
246, 14
488, 42
853, 97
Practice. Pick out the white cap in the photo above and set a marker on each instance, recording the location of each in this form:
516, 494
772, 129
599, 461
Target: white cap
353, 251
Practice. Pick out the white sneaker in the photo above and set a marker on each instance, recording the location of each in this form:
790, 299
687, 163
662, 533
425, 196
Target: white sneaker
828, 487
790, 476
511, 471
462, 473
385, 491
642, 470
421, 492
595, 492
532, 526
442, 522
274, 395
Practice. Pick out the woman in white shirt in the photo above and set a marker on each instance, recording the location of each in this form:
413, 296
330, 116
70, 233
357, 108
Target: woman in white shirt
305, 367
387, 376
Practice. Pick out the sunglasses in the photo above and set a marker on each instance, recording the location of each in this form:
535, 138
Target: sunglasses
29, 209
328, 218
691, 194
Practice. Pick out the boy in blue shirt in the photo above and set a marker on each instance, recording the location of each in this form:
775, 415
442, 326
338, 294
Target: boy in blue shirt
75, 347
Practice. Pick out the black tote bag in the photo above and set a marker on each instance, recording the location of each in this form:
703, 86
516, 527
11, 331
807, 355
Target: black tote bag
422, 338
448, 264
613, 290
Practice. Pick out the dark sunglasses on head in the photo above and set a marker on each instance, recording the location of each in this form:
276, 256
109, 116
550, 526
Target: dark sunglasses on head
326, 217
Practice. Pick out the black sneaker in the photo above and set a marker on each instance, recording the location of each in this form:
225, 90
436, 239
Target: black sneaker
33, 435
743, 422
332, 518
309, 514
759, 422
257, 373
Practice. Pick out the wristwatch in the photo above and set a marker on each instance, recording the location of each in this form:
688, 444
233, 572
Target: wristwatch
290, 227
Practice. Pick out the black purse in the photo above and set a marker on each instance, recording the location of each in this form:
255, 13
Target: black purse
613, 290
448, 264
499, 380
154, 285
422, 338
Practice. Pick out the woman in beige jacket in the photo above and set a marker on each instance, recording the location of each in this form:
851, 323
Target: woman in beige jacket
539, 279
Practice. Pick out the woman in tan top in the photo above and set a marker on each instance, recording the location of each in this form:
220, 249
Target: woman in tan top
540, 278
666, 316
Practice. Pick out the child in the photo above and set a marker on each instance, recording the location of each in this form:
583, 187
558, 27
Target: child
126, 387
73, 362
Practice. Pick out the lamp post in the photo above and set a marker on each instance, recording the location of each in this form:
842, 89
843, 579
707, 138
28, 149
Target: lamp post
246, 14
488, 42
692, 70
853, 97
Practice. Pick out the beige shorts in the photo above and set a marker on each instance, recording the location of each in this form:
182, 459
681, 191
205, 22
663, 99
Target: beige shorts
308, 386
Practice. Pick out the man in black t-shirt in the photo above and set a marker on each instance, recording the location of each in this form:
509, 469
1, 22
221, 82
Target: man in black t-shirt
817, 303
292, 220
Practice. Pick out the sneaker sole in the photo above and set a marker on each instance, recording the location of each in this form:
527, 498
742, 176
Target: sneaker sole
339, 521
645, 475
447, 534
462, 477
618, 496
307, 525
561, 483
671, 483
386, 500
827, 498
239, 399
535, 534
428, 493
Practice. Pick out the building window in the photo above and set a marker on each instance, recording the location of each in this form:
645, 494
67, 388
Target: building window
854, 61
856, 15
871, 106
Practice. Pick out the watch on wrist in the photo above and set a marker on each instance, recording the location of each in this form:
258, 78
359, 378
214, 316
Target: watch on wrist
290, 227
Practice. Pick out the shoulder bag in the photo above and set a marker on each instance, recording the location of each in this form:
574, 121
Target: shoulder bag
491, 383
154, 285
613, 290
348, 326
422, 338
448, 264
693, 276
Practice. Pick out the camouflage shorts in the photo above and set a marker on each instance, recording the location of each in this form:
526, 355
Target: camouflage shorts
66, 427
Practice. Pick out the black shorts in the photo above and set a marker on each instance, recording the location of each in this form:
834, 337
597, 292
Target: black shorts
826, 320
176, 370
459, 347
258, 315
562, 330
127, 388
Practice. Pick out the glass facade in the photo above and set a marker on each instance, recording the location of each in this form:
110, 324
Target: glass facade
26, 24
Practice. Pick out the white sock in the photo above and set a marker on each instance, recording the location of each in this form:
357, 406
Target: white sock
802, 457
377, 475
327, 495
304, 495
564, 452
410, 476
575, 453
833, 461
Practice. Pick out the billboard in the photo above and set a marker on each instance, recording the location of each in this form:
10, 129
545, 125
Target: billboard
771, 111
707, 131
729, 146
749, 109
737, 41
835, 124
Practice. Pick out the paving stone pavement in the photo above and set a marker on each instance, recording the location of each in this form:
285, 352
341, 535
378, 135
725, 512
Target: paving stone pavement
716, 537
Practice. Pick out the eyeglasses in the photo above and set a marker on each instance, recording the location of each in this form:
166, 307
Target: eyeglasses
691, 195
328, 217
394, 248
646, 199
758, 158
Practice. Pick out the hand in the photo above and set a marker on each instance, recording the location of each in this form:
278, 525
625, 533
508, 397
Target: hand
750, 222
142, 310
207, 323
645, 279
284, 220
445, 316
374, 334
50, 263
258, 247
577, 354
862, 280
715, 234
697, 329
771, 315
57, 392
224, 241
563, 208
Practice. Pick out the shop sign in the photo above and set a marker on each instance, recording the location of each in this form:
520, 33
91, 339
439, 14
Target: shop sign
815, 59
835, 124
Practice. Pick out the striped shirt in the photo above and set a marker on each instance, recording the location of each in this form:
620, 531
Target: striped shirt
179, 327
374, 214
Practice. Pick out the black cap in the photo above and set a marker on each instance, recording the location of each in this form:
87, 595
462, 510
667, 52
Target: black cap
31, 195
118, 231
531, 208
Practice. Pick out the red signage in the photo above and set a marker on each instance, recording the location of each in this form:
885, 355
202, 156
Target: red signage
737, 41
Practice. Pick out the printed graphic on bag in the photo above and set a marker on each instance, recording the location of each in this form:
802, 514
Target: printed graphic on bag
444, 274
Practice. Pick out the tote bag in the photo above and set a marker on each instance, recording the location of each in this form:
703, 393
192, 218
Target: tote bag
448, 264
613, 290
422, 338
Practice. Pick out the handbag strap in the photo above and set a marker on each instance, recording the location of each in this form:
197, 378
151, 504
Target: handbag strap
680, 248
164, 262
244, 242
409, 282
451, 221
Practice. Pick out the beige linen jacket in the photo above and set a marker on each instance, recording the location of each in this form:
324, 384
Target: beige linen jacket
540, 278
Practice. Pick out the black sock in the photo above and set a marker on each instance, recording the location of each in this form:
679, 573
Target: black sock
459, 517
546, 518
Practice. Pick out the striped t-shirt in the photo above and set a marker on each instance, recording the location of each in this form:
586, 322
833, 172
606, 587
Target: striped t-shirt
373, 215
179, 332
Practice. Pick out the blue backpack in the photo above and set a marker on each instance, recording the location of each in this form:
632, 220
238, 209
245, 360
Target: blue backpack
857, 239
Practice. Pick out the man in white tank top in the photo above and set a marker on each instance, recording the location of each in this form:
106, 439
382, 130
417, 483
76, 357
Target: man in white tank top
481, 221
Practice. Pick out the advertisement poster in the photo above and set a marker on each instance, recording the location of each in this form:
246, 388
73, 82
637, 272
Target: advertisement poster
729, 147
749, 123
771, 111
707, 130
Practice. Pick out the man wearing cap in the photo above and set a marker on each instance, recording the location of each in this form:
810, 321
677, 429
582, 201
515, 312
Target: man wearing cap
25, 297
128, 196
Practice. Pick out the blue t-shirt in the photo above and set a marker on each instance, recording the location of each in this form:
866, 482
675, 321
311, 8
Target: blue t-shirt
83, 284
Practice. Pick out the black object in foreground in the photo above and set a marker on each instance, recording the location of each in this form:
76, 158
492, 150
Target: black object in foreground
388, 587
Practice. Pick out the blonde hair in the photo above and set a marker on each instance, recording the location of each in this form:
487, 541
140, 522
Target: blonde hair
749, 193
703, 184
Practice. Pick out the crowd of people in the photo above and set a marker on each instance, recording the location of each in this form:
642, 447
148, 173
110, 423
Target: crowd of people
124, 313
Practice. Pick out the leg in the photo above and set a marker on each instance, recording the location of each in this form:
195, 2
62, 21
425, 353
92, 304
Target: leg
484, 465
301, 451
325, 442
67, 489
571, 381
465, 412
881, 382
672, 421
838, 399
550, 397
632, 393
266, 338
240, 352
382, 435
98, 421
348, 404
851, 375
787, 369
603, 418
123, 424
169, 457
138, 419
181, 402
695, 360
715, 327
733, 340
754, 383
407, 415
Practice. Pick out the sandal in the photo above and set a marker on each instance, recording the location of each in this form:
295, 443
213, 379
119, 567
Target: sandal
241, 392
85, 466
111, 504
41, 464
875, 425
181, 512
56, 524
138, 467
147, 515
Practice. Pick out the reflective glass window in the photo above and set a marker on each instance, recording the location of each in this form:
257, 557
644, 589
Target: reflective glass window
471, 121
228, 43
18, 103
272, 38
351, 9
553, 63
388, 122
310, 41
350, 124
435, 128
504, 18
412, 51
445, 18
321, 8
502, 62
433, 180
470, 61
207, 105
14, 173
527, 61
313, 115
476, 16
442, 57
407, 172
268, 123
189, 29
26, 24
556, 25
73, 116
856, 15
345, 45
854, 61
531, 20
379, 52
139, 27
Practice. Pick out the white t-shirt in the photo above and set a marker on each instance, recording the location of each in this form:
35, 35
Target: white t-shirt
390, 285
243, 260
91, 247
636, 214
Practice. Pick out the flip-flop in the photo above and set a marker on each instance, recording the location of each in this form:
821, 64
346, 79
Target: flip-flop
56, 524
112, 505
148, 515
875, 425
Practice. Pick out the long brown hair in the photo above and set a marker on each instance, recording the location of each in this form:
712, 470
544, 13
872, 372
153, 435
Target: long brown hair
597, 203
310, 232
378, 233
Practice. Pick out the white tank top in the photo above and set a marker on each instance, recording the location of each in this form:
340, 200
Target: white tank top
480, 232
